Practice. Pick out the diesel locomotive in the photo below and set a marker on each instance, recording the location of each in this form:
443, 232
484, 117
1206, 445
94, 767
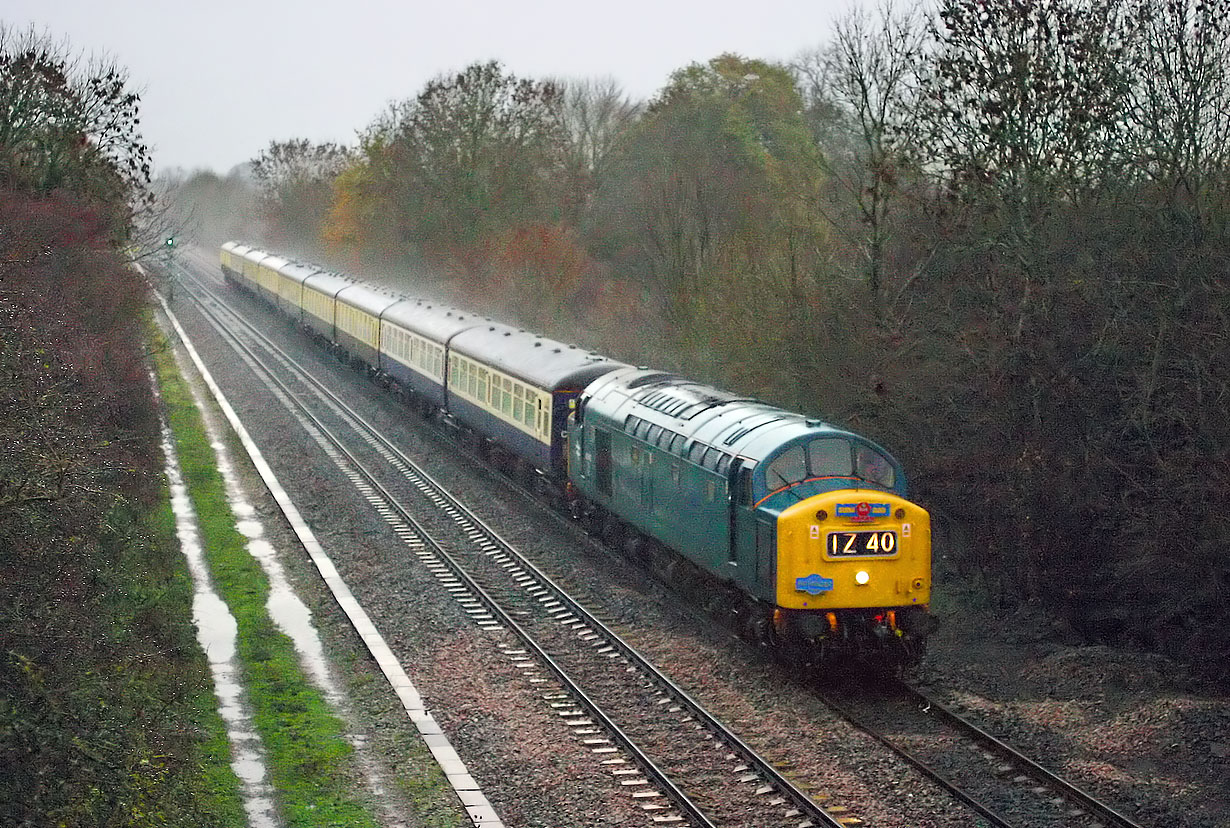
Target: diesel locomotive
799, 529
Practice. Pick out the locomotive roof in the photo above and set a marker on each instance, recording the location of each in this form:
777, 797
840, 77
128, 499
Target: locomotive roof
542, 362
736, 425
431, 319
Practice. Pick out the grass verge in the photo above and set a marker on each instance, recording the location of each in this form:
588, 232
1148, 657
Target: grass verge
310, 763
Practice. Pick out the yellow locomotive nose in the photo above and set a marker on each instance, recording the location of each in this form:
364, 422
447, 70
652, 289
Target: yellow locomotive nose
853, 549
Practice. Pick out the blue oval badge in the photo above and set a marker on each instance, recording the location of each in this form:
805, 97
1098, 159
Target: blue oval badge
813, 584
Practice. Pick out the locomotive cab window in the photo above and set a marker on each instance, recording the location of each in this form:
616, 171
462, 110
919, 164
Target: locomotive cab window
873, 467
830, 457
834, 457
787, 468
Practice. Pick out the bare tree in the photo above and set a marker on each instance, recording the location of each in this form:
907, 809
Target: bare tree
69, 123
596, 115
863, 93
1026, 107
295, 178
1180, 110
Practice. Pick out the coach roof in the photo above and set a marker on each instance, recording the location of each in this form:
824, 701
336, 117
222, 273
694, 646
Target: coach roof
544, 363
431, 319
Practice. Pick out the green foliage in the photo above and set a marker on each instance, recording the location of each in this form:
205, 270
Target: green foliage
719, 175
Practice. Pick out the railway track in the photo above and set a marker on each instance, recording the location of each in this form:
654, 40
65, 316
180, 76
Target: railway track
676, 760
1001, 784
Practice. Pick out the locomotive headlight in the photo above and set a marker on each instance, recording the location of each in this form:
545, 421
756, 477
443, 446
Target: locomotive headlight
861, 577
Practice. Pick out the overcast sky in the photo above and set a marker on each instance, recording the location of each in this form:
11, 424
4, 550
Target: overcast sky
220, 80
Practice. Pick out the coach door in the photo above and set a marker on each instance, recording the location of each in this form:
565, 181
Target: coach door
741, 557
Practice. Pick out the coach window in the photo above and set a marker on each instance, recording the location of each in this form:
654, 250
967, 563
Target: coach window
653, 434
677, 443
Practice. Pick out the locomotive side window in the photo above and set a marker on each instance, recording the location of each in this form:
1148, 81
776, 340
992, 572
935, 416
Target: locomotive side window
602, 462
742, 494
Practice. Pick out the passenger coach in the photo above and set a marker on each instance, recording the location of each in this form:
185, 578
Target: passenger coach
519, 388
414, 335
357, 322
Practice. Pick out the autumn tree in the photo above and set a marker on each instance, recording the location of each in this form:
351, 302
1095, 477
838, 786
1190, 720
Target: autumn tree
483, 150
720, 150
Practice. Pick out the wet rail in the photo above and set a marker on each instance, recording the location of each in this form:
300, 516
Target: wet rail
1000, 783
